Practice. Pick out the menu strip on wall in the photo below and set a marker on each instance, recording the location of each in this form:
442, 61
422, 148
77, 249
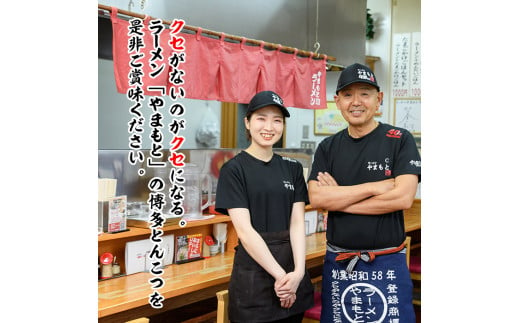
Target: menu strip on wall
406, 65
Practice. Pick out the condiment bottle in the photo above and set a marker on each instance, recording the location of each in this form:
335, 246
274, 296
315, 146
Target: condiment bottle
106, 265
116, 269
106, 271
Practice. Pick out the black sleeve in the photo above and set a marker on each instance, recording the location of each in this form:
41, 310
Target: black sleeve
300, 193
231, 190
319, 163
409, 160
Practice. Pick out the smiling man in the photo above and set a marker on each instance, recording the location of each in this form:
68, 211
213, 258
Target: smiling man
365, 176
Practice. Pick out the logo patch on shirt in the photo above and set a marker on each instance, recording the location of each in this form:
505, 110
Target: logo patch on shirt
289, 159
416, 163
394, 133
378, 166
288, 185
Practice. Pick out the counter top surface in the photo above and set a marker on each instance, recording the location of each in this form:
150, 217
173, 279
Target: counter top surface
119, 294
128, 292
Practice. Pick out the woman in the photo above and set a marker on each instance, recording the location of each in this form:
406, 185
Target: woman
265, 196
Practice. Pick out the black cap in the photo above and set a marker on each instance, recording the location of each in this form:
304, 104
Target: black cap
265, 98
356, 73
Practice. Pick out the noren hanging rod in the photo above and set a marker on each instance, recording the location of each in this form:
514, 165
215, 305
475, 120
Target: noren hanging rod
236, 38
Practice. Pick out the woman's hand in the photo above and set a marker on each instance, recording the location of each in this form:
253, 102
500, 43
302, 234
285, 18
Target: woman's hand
288, 284
288, 302
286, 287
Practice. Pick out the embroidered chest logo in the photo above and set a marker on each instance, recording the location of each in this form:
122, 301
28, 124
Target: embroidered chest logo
288, 185
380, 166
394, 133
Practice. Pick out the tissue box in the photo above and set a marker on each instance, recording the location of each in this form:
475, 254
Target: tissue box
311, 221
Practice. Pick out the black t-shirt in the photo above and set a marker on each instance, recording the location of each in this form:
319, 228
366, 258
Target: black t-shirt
267, 189
384, 153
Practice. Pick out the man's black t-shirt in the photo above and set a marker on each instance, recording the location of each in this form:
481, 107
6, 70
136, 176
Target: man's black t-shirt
384, 153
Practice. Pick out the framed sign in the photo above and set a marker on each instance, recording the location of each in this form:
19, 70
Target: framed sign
407, 114
328, 121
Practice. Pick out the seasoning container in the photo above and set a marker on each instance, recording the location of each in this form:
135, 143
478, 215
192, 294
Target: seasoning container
116, 269
106, 265
208, 242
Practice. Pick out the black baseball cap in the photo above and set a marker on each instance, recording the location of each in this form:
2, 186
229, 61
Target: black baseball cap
356, 73
265, 98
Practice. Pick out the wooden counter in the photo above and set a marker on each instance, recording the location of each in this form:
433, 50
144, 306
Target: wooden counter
126, 298
412, 217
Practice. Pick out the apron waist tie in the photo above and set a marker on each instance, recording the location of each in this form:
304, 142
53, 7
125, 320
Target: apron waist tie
366, 256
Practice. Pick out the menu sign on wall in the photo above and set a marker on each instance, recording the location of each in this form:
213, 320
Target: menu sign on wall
406, 65
415, 65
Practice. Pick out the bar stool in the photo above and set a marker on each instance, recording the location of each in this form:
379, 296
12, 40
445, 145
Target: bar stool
415, 274
414, 266
222, 306
139, 320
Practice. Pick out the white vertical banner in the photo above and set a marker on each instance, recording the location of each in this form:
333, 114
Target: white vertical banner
415, 65
401, 46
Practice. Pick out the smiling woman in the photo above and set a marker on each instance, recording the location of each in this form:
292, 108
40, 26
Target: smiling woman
265, 117
265, 195
265, 125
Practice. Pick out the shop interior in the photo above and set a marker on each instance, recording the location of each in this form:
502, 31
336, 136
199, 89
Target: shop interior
213, 134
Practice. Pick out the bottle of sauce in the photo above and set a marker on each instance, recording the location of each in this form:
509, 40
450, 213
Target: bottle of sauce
116, 269
106, 265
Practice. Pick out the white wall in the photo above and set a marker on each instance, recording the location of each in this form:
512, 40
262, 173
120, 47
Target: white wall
390, 17
380, 46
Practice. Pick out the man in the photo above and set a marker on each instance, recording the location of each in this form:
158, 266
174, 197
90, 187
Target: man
365, 176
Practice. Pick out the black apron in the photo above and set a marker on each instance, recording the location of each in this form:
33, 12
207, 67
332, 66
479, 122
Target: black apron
251, 289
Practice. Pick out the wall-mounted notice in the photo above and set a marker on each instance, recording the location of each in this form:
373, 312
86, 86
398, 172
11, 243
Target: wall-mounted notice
401, 65
408, 114
406, 65
415, 65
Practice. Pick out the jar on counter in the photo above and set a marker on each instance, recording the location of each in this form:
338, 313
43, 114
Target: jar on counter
106, 265
116, 269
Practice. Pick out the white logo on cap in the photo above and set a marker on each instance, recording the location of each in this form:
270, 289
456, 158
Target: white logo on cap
365, 75
277, 99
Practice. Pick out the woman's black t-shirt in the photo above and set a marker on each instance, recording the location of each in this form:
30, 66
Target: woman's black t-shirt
267, 189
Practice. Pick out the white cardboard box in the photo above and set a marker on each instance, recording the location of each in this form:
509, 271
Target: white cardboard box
311, 221
136, 254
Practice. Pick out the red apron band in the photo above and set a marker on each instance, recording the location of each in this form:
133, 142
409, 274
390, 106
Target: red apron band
366, 256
